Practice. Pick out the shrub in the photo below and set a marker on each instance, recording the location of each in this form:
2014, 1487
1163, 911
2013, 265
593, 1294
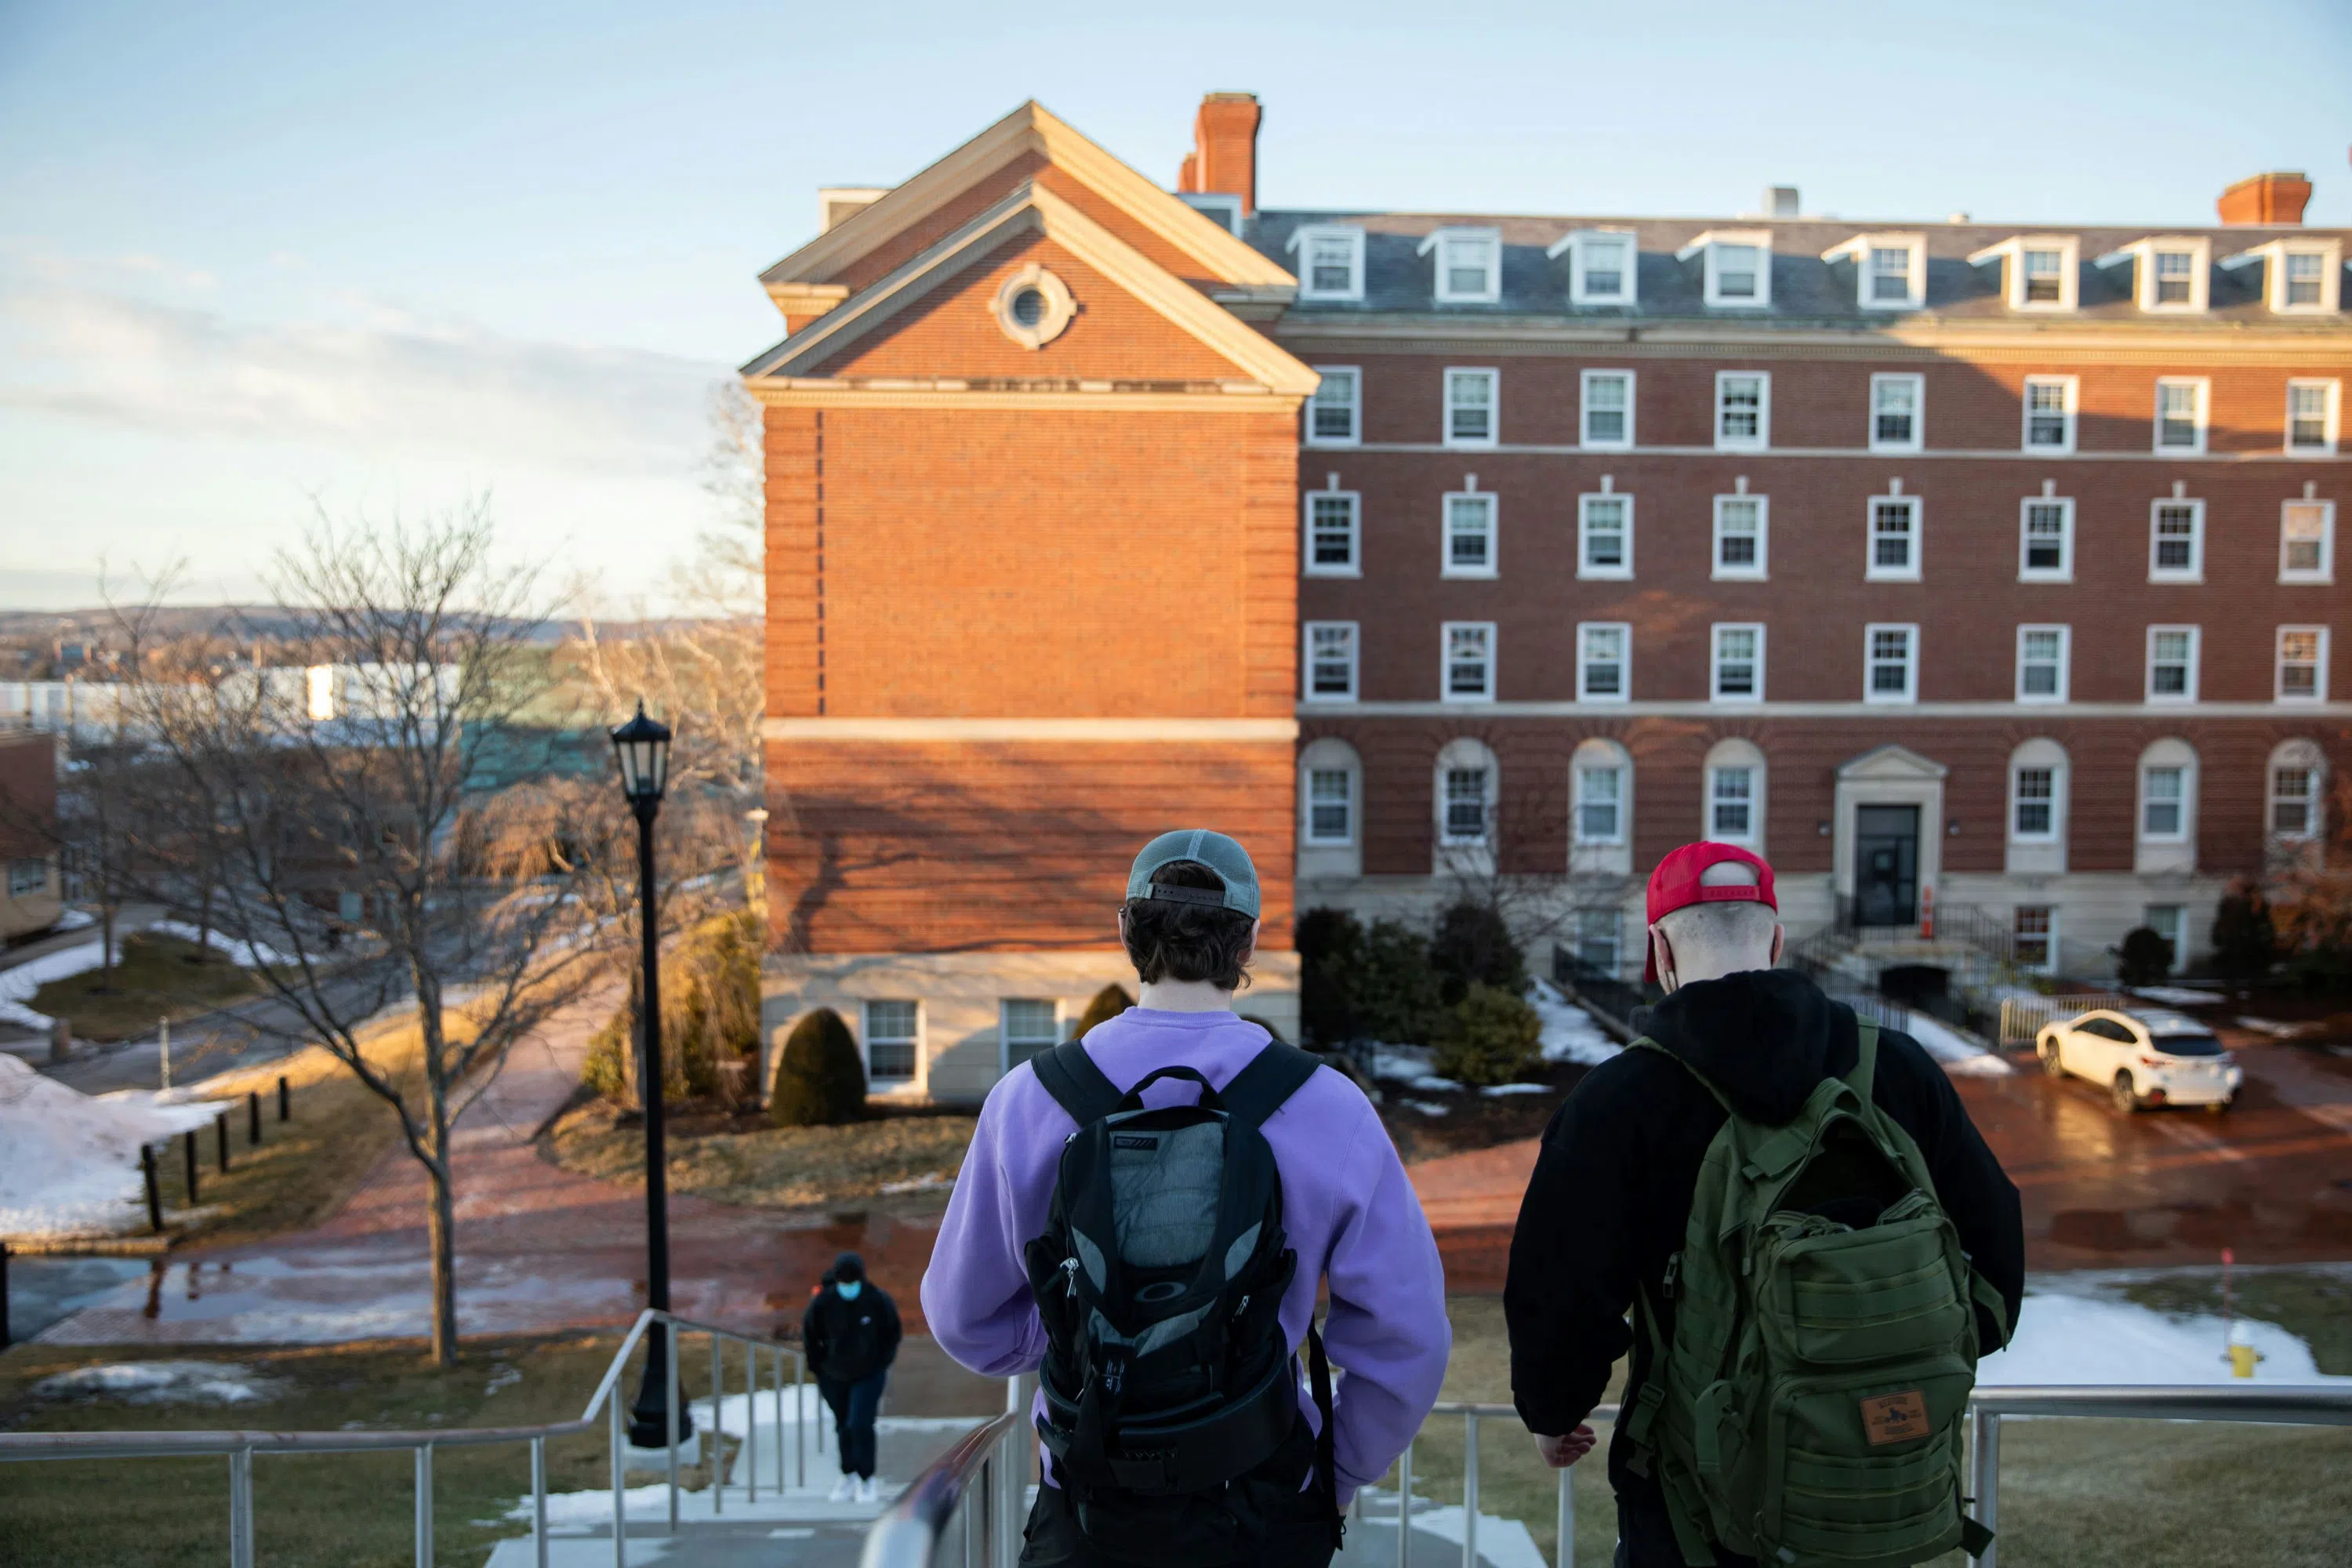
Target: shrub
2244, 941
1394, 990
1472, 946
1331, 952
2145, 958
821, 1082
1493, 1039
1108, 1003
710, 1014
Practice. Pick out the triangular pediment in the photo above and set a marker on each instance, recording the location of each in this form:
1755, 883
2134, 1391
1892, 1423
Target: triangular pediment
1031, 132
1891, 763
1030, 209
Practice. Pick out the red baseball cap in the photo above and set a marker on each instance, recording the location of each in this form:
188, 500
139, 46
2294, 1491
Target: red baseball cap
1674, 885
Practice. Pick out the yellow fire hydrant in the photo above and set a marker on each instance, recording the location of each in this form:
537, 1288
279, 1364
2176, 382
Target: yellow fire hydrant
2243, 1355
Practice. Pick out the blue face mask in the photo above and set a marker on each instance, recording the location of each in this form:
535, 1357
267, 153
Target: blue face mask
848, 1289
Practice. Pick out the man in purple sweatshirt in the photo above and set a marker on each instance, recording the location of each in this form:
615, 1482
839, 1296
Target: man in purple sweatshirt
1189, 924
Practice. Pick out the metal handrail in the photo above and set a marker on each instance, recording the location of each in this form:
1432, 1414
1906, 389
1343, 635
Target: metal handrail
241, 1445
984, 1477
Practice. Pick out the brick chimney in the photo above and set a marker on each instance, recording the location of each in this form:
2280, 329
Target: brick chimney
2274, 199
1224, 149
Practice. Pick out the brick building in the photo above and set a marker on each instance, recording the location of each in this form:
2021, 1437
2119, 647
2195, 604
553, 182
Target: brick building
1953, 566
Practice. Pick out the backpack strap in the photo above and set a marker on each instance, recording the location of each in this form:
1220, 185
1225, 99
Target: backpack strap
1645, 1042
1272, 1077
1327, 1458
1077, 1086
1865, 1059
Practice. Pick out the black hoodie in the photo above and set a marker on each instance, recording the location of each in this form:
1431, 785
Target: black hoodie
1610, 1194
849, 1341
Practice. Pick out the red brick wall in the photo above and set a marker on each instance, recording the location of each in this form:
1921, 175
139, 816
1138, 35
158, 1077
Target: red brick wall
28, 796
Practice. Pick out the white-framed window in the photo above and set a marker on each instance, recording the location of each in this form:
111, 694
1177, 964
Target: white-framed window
27, 877
2172, 280
1737, 267
2164, 801
2300, 276
1471, 546
1735, 794
1599, 813
2164, 920
1604, 661
1332, 658
2176, 541
1467, 790
2180, 401
2033, 804
1219, 207
2043, 655
2302, 664
1027, 1024
1890, 270
2034, 943
1607, 410
2042, 270
1334, 534
2307, 541
894, 1042
1472, 417
1743, 410
1467, 673
1890, 662
2169, 275
1735, 661
1469, 264
1331, 261
1330, 806
1897, 413
2050, 402
2312, 416
2045, 539
2172, 664
1743, 537
1334, 415
1597, 946
1604, 535
2297, 775
1602, 266
1895, 544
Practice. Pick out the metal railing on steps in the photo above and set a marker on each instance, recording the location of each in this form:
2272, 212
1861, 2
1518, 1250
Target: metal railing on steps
240, 1448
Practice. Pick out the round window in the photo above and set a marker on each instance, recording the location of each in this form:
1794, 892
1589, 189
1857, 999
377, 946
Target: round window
1032, 307
1029, 307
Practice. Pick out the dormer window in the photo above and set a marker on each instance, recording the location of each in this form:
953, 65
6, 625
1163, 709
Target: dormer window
1739, 266
1331, 261
1224, 210
2300, 276
2168, 276
2040, 270
1469, 264
1601, 266
1890, 269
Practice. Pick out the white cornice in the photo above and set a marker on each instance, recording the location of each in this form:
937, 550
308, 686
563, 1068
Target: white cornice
1534, 449
1882, 713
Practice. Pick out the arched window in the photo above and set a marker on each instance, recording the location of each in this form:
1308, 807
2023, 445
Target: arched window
2296, 810
2166, 831
2037, 807
1330, 809
1467, 786
1733, 811
1601, 808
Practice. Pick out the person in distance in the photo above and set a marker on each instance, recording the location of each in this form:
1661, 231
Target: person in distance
850, 1333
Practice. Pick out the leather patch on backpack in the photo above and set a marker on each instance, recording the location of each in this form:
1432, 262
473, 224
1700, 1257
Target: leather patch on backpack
1894, 1418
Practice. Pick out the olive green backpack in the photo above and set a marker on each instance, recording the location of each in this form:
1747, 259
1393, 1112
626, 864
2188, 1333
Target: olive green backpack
1809, 1408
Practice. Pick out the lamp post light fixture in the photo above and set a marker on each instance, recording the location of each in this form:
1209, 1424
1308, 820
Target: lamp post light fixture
642, 746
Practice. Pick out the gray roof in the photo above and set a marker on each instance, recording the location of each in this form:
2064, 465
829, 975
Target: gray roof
1804, 287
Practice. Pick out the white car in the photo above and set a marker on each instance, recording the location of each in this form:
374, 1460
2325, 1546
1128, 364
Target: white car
2143, 1059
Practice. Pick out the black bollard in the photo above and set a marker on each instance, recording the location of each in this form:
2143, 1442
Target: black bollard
5, 1340
253, 1118
220, 1132
285, 1107
188, 1148
154, 1194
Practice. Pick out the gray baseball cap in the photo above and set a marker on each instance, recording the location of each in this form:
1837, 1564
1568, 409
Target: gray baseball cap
1220, 854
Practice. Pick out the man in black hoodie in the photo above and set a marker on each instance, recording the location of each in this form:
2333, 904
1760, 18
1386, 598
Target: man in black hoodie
1612, 1192
850, 1333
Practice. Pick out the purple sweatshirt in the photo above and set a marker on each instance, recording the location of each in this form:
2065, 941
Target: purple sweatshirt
1350, 1214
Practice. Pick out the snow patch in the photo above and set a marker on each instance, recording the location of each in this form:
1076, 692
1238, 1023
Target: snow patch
18, 985
932, 1182
164, 1383
71, 1167
1428, 1107
1400, 1063
1502, 1088
2071, 1336
1502, 1542
2270, 1027
1430, 1083
1569, 1034
1961, 1056
243, 954
2177, 995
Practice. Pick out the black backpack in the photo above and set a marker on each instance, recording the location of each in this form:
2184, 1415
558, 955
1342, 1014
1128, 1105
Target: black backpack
1159, 1279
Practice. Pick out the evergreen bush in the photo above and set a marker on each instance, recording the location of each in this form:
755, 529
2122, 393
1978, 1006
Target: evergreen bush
1472, 946
1108, 1003
2144, 959
2244, 941
1495, 1039
1395, 992
710, 1014
820, 1081
1331, 945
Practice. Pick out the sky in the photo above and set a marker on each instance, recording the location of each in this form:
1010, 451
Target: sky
260, 261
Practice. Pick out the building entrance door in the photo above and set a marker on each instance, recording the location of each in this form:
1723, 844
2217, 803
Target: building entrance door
1887, 864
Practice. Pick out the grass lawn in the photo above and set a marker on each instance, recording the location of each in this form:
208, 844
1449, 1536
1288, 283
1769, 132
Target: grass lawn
756, 1165
2075, 1494
156, 976
333, 1511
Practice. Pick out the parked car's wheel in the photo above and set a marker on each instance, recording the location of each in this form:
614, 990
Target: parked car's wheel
2051, 1063
2219, 1106
2127, 1098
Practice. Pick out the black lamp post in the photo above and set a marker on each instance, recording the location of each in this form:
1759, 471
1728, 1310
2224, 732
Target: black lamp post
643, 747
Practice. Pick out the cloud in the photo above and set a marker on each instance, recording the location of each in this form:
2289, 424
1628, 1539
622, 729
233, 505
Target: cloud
376, 382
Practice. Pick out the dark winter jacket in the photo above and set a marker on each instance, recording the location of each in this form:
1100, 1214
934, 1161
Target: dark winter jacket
847, 1341
1611, 1196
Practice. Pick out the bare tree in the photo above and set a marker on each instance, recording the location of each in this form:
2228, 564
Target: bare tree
357, 778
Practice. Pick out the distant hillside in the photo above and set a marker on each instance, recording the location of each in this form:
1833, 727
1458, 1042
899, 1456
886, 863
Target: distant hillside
22, 626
